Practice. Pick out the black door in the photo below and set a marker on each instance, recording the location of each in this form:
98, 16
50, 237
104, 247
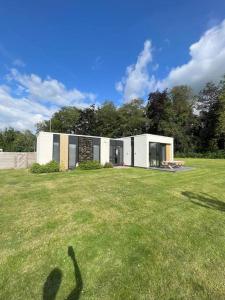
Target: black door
132, 151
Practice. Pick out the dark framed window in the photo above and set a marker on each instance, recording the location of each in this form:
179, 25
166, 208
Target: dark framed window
72, 151
56, 148
157, 154
132, 151
96, 148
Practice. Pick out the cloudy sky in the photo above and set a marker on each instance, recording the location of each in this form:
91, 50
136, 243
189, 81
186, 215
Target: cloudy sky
57, 53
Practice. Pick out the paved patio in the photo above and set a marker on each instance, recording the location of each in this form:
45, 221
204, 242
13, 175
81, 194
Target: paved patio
181, 169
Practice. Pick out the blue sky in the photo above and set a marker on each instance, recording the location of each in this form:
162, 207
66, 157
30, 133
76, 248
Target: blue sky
55, 53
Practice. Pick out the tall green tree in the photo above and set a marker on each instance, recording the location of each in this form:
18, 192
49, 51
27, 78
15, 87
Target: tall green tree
185, 122
65, 120
159, 113
131, 117
208, 106
107, 120
87, 122
220, 124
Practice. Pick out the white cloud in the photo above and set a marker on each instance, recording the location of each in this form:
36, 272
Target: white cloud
137, 81
20, 113
28, 99
206, 63
50, 90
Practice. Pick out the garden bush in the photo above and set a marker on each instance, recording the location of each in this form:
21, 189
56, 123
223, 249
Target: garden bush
50, 167
90, 165
220, 154
108, 165
36, 168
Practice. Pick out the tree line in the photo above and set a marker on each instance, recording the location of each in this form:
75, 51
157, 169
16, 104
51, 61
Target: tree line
195, 120
12, 140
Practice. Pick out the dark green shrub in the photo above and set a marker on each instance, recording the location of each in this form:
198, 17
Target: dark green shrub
50, 167
89, 165
108, 165
36, 168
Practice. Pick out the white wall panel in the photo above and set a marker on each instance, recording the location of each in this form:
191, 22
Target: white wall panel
105, 146
141, 151
126, 150
162, 139
44, 147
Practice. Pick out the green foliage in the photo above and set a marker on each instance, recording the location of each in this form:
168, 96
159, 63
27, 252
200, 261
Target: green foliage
107, 120
108, 165
90, 165
220, 154
37, 168
12, 140
50, 167
159, 113
132, 119
87, 122
64, 120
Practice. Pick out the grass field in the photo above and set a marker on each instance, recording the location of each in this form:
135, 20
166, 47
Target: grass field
136, 234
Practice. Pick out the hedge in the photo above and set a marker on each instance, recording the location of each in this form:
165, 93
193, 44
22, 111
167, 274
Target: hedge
220, 154
89, 165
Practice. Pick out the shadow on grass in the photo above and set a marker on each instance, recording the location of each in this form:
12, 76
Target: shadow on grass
75, 294
53, 281
204, 200
52, 284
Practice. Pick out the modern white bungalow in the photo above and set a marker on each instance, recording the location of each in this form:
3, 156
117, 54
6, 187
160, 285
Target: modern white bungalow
144, 150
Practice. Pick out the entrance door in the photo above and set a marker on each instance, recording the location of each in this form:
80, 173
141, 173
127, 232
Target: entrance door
116, 152
157, 154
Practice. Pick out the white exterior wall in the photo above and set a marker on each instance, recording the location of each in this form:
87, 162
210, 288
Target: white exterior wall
44, 147
141, 151
105, 146
162, 139
126, 150
141, 148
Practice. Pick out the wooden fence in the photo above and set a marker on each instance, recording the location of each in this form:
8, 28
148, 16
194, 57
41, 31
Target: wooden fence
17, 160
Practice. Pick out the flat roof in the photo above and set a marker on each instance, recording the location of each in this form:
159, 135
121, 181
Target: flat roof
93, 136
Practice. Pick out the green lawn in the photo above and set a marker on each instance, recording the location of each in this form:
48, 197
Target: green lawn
136, 234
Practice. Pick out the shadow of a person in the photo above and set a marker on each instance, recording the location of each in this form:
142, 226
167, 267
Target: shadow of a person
205, 200
75, 294
52, 284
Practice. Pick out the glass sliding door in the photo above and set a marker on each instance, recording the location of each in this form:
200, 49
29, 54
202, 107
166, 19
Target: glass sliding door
157, 154
73, 151
56, 148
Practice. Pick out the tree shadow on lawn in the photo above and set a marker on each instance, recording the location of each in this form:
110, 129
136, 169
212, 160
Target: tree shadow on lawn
204, 200
53, 281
